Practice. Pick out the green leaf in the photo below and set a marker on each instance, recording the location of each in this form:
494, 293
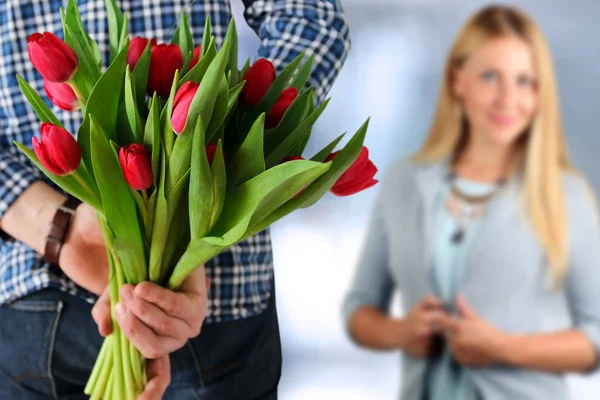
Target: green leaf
183, 38
270, 98
219, 175
68, 183
197, 73
242, 203
180, 158
119, 206
39, 106
321, 186
277, 197
238, 211
234, 93
303, 74
232, 65
245, 68
87, 73
124, 39
152, 136
96, 51
297, 135
292, 118
219, 111
160, 227
165, 117
115, 26
83, 139
202, 105
104, 99
323, 154
249, 160
201, 186
177, 239
78, 39
207, 37
302, 145
130, 105
140, 77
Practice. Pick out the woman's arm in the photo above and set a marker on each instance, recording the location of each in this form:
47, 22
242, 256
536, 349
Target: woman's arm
371, 328
567, 351
577, 349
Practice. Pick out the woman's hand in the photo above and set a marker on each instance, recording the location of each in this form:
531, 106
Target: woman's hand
157, 321
472, 340
83, 255
420, 326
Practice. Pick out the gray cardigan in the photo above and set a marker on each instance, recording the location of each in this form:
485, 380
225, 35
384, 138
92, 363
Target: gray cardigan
507, 280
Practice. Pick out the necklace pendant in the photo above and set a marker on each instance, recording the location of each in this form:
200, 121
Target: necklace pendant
458, 236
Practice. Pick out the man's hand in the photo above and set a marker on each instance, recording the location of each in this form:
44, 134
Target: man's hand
159, 378
83, 255
157, 321
472, 340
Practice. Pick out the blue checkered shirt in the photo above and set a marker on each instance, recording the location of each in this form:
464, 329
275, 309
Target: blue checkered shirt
241, 278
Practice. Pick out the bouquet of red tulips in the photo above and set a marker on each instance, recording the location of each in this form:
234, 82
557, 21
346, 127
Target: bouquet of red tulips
181, 154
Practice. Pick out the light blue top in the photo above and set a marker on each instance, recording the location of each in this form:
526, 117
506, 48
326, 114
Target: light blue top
506, 282
446, 380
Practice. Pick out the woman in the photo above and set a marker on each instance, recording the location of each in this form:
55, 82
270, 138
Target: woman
488, 232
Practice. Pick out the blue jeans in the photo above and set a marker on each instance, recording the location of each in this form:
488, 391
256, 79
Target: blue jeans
49, 342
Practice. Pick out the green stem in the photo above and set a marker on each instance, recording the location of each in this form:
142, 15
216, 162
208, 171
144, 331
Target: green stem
82, 97
125, 354
96, 372
83, 183
145, 197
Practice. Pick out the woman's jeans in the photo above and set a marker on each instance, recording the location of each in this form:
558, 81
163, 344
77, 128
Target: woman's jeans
49, 342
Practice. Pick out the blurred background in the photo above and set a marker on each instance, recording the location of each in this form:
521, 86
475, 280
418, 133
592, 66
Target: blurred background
392, 75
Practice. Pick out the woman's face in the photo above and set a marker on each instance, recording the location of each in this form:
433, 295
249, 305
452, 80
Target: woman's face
497, 85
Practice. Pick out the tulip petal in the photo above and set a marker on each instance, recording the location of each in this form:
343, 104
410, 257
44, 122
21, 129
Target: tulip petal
351, 188
355, 170
40, 152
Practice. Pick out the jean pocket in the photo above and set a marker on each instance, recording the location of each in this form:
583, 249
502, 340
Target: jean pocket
27, 335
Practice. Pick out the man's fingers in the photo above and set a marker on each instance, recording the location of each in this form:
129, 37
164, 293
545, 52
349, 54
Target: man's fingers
101, 314
154, 317
159, 378
430, 302
142, 337
170, 302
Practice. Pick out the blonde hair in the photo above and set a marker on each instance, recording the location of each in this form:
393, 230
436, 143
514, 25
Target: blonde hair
541, 153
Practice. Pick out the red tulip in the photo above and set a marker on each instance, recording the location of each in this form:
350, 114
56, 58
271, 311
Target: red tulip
259, 78
286, 98
52, 57
62, 95
136, 49
293, 158
57, 150
356, 178
211, 150
181, 105
195, 58
164, 61
136, 167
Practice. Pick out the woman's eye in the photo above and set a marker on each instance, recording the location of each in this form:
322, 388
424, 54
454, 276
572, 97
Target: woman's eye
488, 76
524, 81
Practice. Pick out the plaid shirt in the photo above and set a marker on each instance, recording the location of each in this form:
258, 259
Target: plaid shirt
241, 278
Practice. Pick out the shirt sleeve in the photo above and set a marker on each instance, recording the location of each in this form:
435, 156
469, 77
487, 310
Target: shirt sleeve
583, 276
17, 173
372, 284
317, 27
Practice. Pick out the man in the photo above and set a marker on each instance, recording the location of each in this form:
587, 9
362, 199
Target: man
48, 340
